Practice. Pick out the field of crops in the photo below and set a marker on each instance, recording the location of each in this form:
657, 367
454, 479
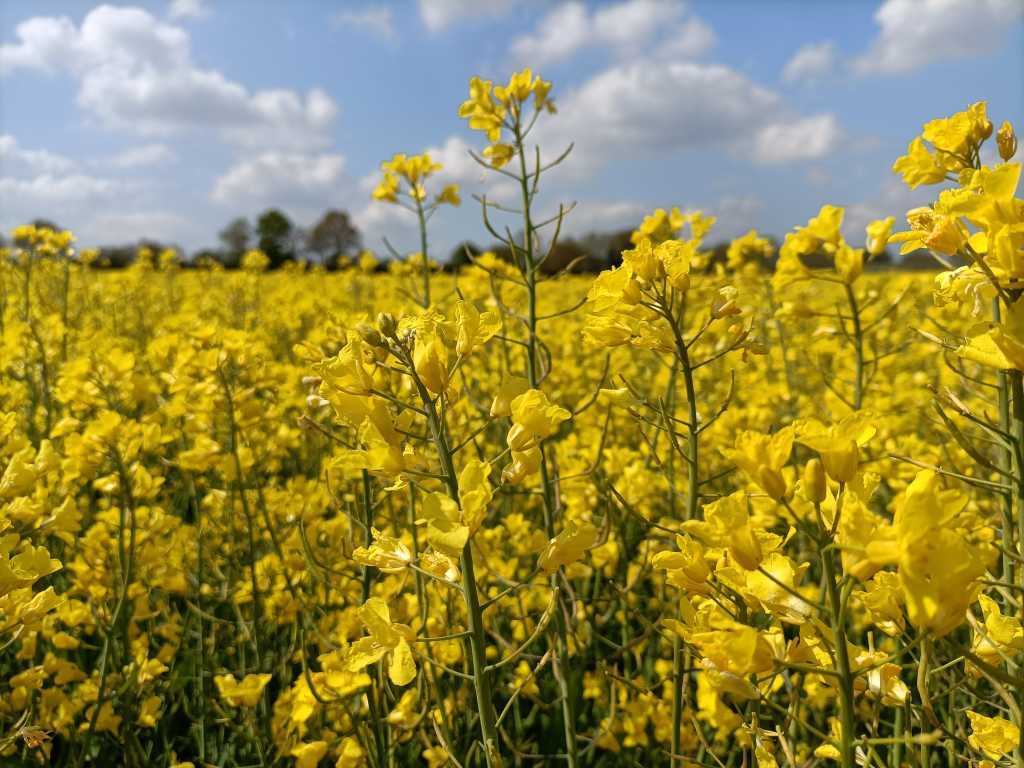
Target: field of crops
682, 513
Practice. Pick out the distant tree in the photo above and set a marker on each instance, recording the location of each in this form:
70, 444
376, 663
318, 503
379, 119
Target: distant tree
230, 259
920, 261
459, 257
237, 237
276, 237
567, 254
116, 256
204, 256
617, 243
881, 261
332, 237
45, 224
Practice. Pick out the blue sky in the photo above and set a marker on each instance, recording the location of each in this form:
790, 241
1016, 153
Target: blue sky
170, 118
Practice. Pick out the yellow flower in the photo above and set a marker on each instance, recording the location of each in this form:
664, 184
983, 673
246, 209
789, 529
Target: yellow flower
241, 694
481, 111
919, 166
387, 190
308, 755
878, 235
687, 568
838, 444
430, 358
938, 565
499, 154
1000, 636
474, 329
534, 418
386, 638
449, 195
567, 547
762, 457
386, 553
994, 736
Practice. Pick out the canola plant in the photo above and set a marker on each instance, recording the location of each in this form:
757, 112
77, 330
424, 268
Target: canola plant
683, 513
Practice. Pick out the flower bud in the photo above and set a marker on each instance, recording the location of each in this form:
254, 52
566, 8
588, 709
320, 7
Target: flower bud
370, 335
724, 303
814, 484
771, 482
1006, 140
841, 463
745, 548
387, 324
985, 129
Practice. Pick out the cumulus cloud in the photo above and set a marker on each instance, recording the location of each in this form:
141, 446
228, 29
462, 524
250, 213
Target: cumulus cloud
893, 198
143, 156
130, 227
187, 9
47, 190
439, 14
915, 33
736, 214
283, 178
14, 158
811, 62
136, 73
375, 19
39, 183
623, 26
689, 40
653, 106
803, 139
602, 216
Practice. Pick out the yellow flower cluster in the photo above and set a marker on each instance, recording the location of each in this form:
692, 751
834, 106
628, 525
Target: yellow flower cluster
692, 510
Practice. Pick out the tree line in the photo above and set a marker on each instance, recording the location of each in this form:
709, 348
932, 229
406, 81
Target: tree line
335, 240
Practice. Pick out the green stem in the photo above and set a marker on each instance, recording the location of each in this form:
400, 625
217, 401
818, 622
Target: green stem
561, 649
858, 347
423, 252
477, 637
846, 712
1016, 382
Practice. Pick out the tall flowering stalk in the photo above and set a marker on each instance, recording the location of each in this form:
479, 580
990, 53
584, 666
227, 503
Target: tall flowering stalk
404, 185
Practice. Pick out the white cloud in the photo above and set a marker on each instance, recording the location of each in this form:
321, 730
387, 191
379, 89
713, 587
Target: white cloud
915, 33
811, 62
375, 19
43, 44
130, 227
38, 183
62, 197
282, 178
559, 35
144, 156
51, 190
631, 22
438, 14
602, 216
187, 9
690, 40
806, 138
654, 107
15, 158
893, 198
627, 109
736, 215
623, 26
136, 73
